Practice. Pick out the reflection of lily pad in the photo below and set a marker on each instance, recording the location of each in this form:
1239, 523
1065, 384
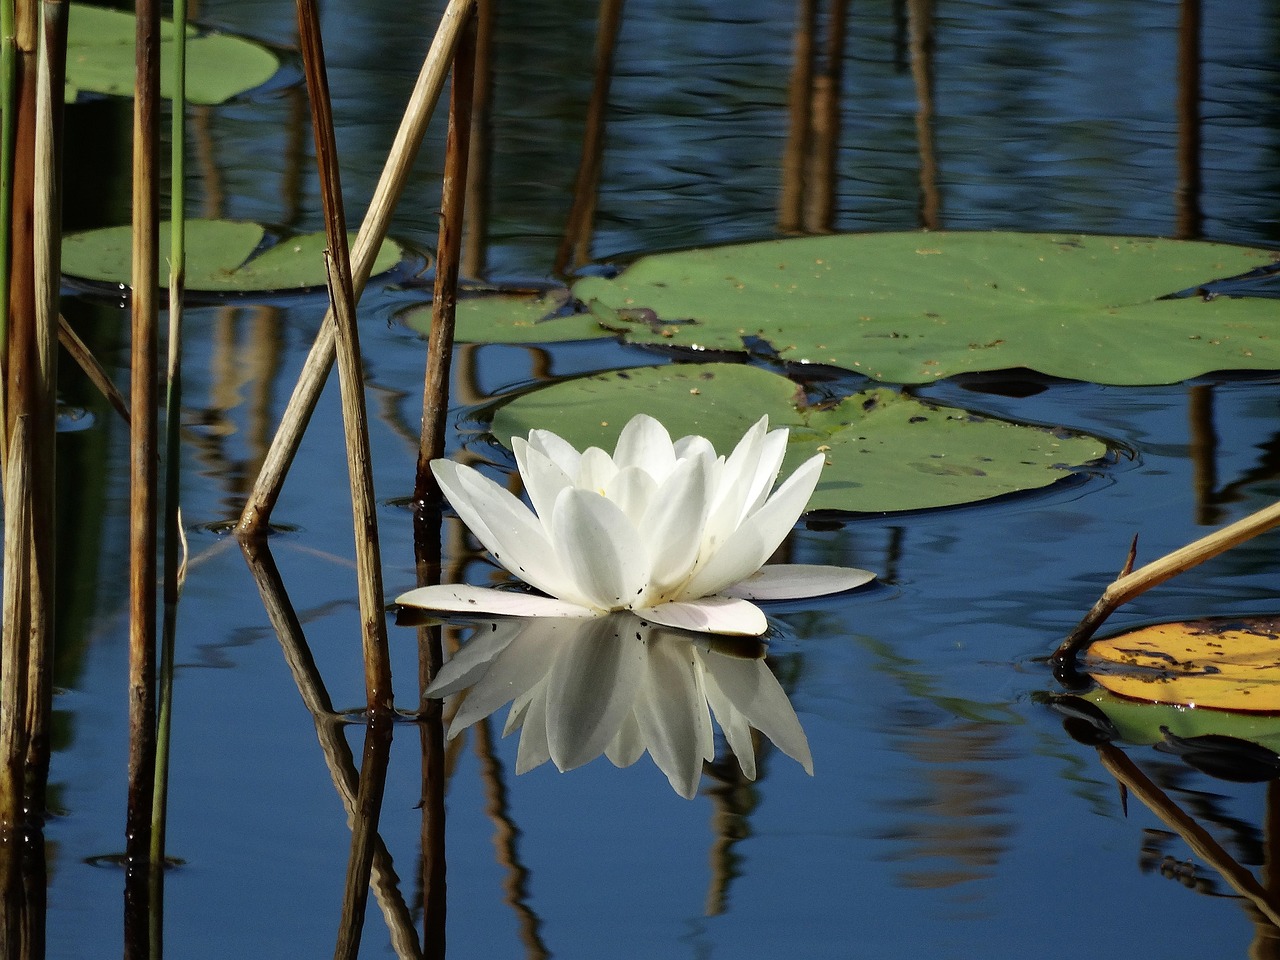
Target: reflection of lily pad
512, 318
100, 58
222, 257
1224, 664
916, 307
885, 450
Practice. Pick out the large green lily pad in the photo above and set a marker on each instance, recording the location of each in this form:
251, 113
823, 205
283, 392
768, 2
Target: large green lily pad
885, 451
100, 58
915, 307
222, 257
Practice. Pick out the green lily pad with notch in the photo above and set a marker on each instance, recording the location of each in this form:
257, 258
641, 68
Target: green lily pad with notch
913, 308
100, 58
512, 318
885, 451
223, 256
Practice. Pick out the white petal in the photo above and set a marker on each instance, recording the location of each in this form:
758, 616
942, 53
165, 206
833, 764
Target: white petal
672, 527
628, 746
755, 692
599, 548
521, 666
595, 470
533, 750
734, 482
793, 581
463, 598
591, 689
747, 548
472, 661
733, 722
559, 450
694, 446
632, 489
710, 615
772, 449
505, 526
645, 443
542, 477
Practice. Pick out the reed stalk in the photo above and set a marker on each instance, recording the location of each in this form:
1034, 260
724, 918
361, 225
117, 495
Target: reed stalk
1132, 583
174, 545
47, 259
395, 174
143, 474
342, 299
435, 390
8, 133
364, 834
13, 655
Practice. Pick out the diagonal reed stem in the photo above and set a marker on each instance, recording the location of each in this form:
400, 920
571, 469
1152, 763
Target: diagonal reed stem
395, 173
373, 621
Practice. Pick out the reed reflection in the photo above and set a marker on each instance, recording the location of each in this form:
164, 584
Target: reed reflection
620, 686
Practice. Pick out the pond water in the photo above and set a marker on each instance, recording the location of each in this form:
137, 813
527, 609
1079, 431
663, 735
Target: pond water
949, 814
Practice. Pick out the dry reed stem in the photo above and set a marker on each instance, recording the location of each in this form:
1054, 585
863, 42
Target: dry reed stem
1195, 836
395, 173
143, 499
1129, 585
373, 622
13, 657
373, 781
87, 362
435, 388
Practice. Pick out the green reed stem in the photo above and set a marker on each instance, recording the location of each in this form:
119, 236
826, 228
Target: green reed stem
173, 541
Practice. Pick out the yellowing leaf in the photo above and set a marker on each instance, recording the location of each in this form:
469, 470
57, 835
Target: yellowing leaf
1223, 664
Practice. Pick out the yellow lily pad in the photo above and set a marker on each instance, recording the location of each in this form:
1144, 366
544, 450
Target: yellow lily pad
1218, 663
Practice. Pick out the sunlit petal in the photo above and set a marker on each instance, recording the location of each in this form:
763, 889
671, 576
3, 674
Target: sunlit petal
750, 545
729, 615
595, 470
672, 526
463, 598
632, 489
791, 581
645, 443
772, 450
543, 478
694, 446
559, 450
599, 549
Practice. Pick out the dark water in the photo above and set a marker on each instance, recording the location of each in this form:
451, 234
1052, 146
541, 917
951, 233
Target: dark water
949, 814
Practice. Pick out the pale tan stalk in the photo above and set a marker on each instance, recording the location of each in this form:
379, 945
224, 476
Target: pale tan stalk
13, 656
395, 173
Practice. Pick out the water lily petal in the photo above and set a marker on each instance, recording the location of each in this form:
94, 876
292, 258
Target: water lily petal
754, 692
772, 449
793, 581
595, 470
671, 710
733, 722
628, 746
533, 750
734, 481
463, 598
748, 547
505, 526
633, 490
517, 669
591, 688
710, 615
542, 477
694, 446
645, 443
600, 549
556, 448
672, 526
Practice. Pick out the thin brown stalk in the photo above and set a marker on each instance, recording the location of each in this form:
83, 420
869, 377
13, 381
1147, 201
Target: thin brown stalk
1196, 837
79, 351
144, 502
799, 103
395, 174
435, 391
13, 655
364, 831
1190, 217
1126, 587
373, 623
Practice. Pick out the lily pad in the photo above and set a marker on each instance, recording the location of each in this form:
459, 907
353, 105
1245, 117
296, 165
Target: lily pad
100, 58
512, 318
916, 307
885, 450
1224, 664
223, 256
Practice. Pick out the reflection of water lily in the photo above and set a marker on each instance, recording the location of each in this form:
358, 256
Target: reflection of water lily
618, 685
668, 530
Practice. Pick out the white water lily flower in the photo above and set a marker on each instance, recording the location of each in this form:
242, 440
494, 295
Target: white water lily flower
620, 686
668, 530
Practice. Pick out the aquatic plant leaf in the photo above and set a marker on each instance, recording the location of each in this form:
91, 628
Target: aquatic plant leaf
885, 451
100, 58
512, 318
1224, 664
222, 257
916, 307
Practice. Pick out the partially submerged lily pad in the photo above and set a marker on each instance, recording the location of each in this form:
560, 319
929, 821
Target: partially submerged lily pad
885, 450
100, 58
916, 307
512, 318
1224, 664
222, 257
